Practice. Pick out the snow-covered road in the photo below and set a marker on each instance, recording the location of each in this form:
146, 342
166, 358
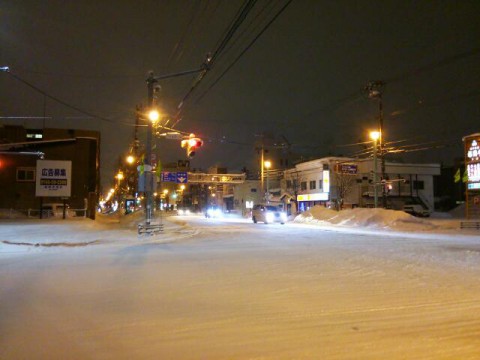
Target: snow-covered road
229, 289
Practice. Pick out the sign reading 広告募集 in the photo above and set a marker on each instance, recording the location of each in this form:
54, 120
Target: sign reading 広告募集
53, 178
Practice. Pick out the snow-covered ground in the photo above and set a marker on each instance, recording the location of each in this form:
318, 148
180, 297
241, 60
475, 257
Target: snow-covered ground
359, 284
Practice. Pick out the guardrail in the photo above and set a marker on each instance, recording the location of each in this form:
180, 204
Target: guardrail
32, 213
470, 225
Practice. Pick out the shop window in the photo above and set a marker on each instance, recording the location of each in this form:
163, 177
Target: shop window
26, 174
33, 134
312, 184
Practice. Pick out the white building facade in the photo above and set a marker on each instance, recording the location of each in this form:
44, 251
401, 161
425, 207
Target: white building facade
346, 182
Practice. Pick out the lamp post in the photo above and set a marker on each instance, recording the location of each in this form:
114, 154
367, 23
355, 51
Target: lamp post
153, 116
375, 91
267, 165
375, 135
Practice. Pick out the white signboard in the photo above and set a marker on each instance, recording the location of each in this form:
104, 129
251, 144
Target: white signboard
313, 197
54, 178
326, 181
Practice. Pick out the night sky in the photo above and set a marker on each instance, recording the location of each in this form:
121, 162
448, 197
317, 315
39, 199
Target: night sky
303, 78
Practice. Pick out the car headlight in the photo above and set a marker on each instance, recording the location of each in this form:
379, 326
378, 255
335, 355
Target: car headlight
180, 212
283, 216
187, 212
269, 216
210, 212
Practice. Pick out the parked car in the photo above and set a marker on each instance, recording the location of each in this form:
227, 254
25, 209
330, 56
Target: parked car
268, 214
416, 210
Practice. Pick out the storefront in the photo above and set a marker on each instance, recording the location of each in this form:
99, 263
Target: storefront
472, 164
306, 201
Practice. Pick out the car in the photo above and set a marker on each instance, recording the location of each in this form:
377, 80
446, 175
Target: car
184, 211
213, 212
416, 210
268, 214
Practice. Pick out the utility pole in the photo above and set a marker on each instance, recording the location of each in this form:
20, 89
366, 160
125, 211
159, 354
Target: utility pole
374, 90
149, 182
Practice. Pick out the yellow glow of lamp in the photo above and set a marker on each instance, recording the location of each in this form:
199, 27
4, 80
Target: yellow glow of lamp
267, 164
153, 115
374, 135
130, 159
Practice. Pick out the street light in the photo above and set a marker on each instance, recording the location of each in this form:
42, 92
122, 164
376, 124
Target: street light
267, 164
153, 115
119, 177
130, 159
375, 135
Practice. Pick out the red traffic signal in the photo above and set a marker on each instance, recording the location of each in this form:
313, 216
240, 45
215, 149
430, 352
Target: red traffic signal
191, 144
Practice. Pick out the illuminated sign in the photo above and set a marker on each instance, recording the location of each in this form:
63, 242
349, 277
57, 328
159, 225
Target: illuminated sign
326, 181
313, 197
350, 169
473, 171
473, 152
474, 186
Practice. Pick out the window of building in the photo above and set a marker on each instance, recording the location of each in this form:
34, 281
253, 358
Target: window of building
418, 185
289, 184
313, 184
320, 185
33, 134
253, 190
25, 174
303, 185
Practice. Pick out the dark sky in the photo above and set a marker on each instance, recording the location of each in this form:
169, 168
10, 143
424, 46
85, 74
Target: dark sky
303, 78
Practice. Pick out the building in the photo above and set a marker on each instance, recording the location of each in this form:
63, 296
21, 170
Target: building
20, 149
346, 182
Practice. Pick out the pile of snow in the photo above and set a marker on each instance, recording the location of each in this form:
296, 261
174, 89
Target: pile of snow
367, 218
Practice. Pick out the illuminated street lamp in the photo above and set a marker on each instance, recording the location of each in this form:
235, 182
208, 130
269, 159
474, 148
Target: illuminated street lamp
375, 135
267, 165
119, 177
153, 115
130, 159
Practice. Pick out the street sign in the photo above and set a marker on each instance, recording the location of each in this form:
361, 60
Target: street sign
176, 177
168, 176
182, 177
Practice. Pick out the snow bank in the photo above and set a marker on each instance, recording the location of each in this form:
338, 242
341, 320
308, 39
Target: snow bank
367, 218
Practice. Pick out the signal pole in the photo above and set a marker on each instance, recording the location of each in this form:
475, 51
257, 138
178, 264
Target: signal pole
151, 81
151, 102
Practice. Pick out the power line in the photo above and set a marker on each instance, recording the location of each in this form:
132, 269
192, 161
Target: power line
244, 51
433, 65
209, 63
62, 102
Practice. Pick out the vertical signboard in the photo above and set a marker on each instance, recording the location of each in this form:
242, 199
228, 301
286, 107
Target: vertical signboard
54, 178
326, 181
472, 169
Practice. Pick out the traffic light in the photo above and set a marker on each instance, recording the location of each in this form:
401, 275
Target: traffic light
191, 144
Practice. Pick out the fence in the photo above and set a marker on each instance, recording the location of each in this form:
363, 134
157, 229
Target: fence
35, 213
